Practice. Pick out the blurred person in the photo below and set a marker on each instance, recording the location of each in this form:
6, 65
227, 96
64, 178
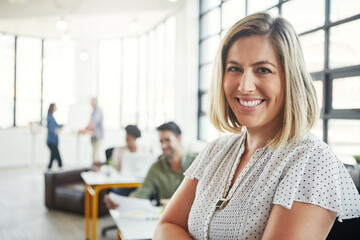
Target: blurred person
52, 139
95, 129
132, 134
271, 178
166, 174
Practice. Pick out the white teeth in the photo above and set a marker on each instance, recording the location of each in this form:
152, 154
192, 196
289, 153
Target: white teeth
250, 103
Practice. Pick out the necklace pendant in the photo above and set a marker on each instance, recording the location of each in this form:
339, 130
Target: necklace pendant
221, 204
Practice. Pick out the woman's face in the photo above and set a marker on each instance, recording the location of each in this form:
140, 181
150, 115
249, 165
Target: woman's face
130, 140
254, 83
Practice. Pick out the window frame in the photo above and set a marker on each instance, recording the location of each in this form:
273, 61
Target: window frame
326, 75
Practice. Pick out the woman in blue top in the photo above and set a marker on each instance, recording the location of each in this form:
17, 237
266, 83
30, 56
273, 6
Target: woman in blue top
52, 138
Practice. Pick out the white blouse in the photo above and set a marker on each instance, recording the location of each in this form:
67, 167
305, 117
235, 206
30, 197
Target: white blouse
307, 172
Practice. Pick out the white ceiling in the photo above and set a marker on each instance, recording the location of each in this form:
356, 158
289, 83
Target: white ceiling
87, 19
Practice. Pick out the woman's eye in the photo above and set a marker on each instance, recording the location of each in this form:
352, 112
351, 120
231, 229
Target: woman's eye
263, 70
233, 69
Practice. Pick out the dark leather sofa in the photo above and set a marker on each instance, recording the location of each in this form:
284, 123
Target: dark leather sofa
65, 190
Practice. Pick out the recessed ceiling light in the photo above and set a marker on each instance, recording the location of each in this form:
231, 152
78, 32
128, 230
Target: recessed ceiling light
17, 1
62, 25
134, 26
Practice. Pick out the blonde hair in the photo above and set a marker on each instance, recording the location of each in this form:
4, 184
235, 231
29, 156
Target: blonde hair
300, 110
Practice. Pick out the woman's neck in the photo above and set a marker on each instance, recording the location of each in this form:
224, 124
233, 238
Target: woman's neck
132, 148
260, 137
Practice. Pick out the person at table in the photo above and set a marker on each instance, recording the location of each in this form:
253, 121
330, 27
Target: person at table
166, 174
271, 178
132, 134
52, 139
95, 129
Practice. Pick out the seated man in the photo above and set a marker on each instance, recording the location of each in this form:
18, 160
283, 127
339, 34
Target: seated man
166, 174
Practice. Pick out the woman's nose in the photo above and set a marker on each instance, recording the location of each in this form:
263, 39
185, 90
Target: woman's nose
247, 83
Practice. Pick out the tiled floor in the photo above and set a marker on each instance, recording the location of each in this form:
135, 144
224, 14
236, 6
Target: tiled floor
23, 215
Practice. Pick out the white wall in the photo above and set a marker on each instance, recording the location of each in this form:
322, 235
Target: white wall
21, 147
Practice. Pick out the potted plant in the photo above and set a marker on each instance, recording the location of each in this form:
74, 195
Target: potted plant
357, 159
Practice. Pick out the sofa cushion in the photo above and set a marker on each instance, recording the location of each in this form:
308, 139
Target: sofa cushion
70, 197
65, 190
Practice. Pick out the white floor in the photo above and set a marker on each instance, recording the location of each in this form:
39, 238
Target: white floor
23, 215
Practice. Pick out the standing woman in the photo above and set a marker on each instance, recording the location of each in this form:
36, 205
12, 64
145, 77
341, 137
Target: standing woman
52, 138
271, 178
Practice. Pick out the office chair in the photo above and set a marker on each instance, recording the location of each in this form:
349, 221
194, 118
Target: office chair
349, 229
108, 153
346, 230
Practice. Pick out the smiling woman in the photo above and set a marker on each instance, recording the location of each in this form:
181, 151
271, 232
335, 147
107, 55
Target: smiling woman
271, 178
254, 83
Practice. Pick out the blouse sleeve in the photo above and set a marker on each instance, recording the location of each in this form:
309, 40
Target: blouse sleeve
196, 169
319, 178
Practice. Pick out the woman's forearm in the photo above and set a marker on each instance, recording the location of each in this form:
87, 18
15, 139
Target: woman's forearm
170, 231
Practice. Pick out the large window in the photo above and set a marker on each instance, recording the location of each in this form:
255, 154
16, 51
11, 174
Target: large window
129, 95
135, 83
330, 36
41, 73
58, 78
28, 80
7, 53
110, 71
136, 78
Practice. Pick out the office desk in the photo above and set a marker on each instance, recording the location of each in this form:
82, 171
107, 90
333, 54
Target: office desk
94, 183
131, 229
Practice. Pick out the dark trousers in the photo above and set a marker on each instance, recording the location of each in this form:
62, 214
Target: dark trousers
123, 191
54, 154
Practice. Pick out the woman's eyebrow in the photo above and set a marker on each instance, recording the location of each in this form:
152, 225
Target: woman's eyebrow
232, 62
263, 62
254, 64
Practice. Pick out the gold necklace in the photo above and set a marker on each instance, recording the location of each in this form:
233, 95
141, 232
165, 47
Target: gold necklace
221, 204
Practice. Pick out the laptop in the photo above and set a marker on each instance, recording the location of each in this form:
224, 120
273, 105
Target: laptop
136, 164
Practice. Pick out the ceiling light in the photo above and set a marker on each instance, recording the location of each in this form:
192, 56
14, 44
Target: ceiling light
62, 25
134, 26
17, 1
173, 0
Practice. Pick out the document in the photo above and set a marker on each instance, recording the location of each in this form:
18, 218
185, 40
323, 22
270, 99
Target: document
136, 208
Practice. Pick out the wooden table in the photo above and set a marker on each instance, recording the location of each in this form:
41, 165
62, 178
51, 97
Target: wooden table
94, 183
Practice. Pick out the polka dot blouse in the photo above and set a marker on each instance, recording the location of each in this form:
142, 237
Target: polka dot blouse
305, 172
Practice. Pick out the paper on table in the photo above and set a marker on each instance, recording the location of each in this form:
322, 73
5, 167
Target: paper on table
135, 208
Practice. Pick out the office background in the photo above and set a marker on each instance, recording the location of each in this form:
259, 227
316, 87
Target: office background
158, 73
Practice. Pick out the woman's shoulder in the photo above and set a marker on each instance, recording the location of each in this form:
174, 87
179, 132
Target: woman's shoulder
225, 140
307, 154
220, 147
306, 143
315, 175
